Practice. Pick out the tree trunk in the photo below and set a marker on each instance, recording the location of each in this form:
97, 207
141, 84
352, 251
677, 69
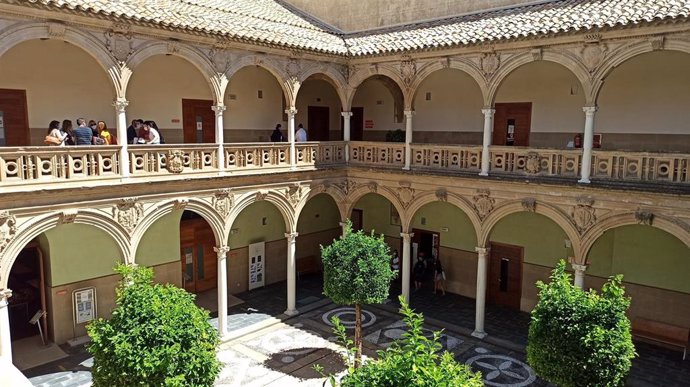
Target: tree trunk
358, 335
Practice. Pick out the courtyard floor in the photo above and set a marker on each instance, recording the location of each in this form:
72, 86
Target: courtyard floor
280, 351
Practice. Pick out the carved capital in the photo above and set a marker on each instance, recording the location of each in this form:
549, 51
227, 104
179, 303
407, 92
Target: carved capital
482, 251
579, 268
291, 111
120, 105
291, 236
8, 229
406, 236
221, 251
219, 109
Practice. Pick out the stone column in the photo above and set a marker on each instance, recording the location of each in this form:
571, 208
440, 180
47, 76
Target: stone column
120, 108
579, 274
343, 226
488, 127
222, 253
587, 144
291, 274
408, 138
219, 109
482, 265
346, 133
291, 113
5, 339
406, 262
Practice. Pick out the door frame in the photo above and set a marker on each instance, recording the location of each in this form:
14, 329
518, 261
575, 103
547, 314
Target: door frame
491, 297
189, 107
27, 130
519, 105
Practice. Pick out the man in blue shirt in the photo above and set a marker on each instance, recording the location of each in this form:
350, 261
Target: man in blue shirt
82, 134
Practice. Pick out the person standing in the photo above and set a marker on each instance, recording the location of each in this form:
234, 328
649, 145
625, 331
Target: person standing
83, 135
277, 135
67, 129
151, 129
301, 134
395, 266
103, 132
57, 137
439, 277
419, 272
132, 132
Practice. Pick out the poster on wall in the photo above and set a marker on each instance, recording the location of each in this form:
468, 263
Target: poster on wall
84, 302
257, 267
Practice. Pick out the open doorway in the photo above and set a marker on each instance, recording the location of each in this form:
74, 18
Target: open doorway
512, 122
27, 282
425, 245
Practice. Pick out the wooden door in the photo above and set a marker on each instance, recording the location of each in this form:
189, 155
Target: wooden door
357, 219
504, 285
512, 123
198, 260
318, 123
357, 124
198, 121
14, 130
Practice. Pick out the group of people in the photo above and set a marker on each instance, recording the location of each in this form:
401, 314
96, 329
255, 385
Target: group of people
144, 132
93, 133
429, 269
300, 134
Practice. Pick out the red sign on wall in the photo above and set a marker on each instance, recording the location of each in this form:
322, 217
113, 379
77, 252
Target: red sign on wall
369, 124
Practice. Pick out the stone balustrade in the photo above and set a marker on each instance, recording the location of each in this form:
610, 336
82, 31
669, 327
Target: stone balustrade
42, 165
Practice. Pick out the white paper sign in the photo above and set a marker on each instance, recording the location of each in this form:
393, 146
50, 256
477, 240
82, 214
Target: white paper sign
257, 268
84, 305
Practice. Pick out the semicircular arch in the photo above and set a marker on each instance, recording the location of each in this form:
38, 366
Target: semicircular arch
276, 198
361, 191
336, 195
451, 198
362, 75
329, 75
464, 66
266, 64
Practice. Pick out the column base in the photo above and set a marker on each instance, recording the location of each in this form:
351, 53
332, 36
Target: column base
479, 335
406, 168
583, 181
483, 173
291, 312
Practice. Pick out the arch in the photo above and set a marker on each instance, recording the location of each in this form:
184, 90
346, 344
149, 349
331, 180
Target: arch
190, 54
30, 230
545, 209
265, 63
330, 75
272, 196
674, 227
198, 206
573, 65
361, 191
336, 195
466, 66
22, 32
626, 52
363, 74
451, 198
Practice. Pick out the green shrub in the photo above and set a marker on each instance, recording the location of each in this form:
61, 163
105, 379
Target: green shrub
156, 336
580, 338
413, 360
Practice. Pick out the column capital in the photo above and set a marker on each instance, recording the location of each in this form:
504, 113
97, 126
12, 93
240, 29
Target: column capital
346, 114
488, 111
579, 267
219, 109
482, 250
5, 294
590, 110
409, 113
291, 111
407, 236
120, 105
291, 236
221, 251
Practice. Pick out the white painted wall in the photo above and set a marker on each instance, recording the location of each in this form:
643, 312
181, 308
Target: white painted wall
248, 111
367, 95
649, 93
548, 86
455, 105
61, 80
157, 87
315, 92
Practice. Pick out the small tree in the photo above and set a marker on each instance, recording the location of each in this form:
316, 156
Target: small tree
580, 338
357, 271
155, 337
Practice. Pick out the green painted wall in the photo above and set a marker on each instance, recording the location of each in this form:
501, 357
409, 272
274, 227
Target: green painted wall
644, 255
377, 215
250, 227
543, 240
79, 252
161, 242
460, 235
319, 214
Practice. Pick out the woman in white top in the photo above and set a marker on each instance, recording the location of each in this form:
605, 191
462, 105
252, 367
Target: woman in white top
152, 130
54, 131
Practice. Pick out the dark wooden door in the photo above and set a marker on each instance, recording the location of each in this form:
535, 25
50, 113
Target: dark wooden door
318, 123
198, 260
198, 121
14, 130
512, 123
357, 219
504, 285
357, 124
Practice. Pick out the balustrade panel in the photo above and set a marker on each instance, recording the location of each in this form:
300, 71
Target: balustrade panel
257, 155
172, 159
641, 166
377, 153
535, 162
330, 153
447, 157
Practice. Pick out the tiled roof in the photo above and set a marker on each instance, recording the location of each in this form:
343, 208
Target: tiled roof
514, 23
269, 21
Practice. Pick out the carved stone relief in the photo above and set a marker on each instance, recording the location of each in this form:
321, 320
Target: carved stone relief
119, 44
180, 204
293, 68
8, 229
293, 194
261, 195
222, 201
220, 57
593, 55
405, 194
128, 212
373, 186
656, 42
532, 164
483, 204
346, 186
408, 70
537, 53
442, 195
175, 161
57, 30
529, 204
490, 62
68, 216
644, 217
172, 47
583, 214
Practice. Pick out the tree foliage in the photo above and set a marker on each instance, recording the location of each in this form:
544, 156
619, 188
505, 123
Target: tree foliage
156, 336
357, 271
413, 360
580, 338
